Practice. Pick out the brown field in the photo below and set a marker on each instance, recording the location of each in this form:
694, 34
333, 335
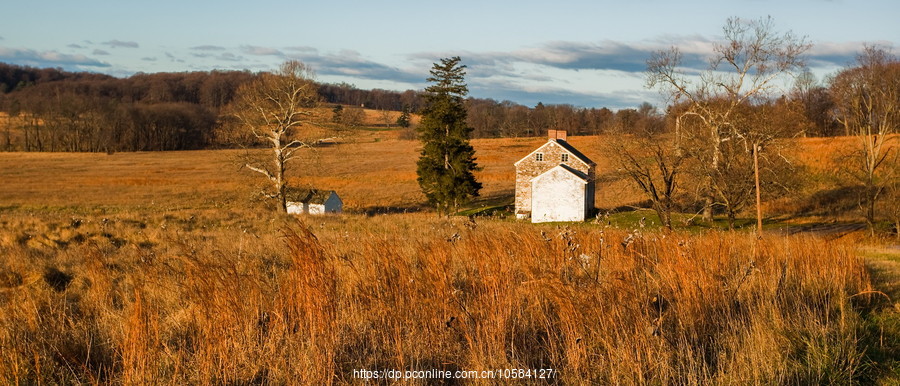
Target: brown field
376, 117
369, 170
161, 268
231, 297
372, 171
367, 173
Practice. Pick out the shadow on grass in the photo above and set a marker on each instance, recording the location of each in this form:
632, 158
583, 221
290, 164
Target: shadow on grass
880, 335
831, 202
497, 205
378, 210
629, 217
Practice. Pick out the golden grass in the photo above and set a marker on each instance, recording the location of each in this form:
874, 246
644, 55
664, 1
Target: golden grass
152, 268
366, 174
367, 169
239, 297
376, 117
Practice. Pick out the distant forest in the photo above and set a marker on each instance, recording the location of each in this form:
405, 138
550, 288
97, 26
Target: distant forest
79, 111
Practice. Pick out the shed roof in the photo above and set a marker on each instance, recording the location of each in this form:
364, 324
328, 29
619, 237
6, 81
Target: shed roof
312, 196
566, 146
574, 151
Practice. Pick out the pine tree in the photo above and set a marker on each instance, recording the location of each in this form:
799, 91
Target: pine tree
404, 119
447, 163
337, 114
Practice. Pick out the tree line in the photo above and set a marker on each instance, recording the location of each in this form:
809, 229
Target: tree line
76, 111
58, 110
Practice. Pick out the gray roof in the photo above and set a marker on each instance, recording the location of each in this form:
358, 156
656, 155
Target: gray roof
566, 146
574, 151
312, 196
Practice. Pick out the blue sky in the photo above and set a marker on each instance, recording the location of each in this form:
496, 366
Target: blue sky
586, 53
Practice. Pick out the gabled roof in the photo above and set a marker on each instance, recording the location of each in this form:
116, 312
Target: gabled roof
312, 196
566, 146
581, 177
575, 152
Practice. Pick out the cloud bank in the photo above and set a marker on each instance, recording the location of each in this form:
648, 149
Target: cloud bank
120, 44
591, 74
35, 58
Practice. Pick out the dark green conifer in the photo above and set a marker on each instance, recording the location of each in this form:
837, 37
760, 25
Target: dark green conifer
337, 114
447, 162
404, 119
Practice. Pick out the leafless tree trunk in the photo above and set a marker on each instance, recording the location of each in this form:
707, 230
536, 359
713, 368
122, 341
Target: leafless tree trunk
386, 118
868, 105
271, 109
743, 70
653, 164
756, 149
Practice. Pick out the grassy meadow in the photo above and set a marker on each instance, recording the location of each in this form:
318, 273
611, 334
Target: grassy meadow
371, 172
163, 268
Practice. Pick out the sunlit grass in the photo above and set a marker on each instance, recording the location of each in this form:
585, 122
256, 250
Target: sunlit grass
142, 268
239, 296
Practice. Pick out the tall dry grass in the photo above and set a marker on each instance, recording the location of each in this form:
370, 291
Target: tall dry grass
239, 298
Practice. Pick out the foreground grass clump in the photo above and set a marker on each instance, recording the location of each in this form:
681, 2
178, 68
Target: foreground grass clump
232, 298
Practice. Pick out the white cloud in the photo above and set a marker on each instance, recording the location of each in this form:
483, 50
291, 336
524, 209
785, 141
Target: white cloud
47, 58
118, 43
208, 48
261, 51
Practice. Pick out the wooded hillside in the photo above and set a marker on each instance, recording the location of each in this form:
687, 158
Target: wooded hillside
55, 110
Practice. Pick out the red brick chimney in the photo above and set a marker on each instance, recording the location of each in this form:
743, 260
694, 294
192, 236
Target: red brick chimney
556, 134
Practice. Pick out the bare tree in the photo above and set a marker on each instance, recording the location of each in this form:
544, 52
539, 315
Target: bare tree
766, 123
272, 108
386, 117
353, 117
867, 99
12, 111
653, 163
744, 69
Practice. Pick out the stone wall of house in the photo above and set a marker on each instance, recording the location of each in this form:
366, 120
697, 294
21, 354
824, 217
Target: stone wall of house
530, 167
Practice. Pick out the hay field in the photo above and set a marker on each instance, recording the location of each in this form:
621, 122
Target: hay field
242, 297
370, 170
159, 268
366, 173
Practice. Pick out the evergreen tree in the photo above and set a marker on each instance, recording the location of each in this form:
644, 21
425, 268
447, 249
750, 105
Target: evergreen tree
448, 160
404, 119
336, 114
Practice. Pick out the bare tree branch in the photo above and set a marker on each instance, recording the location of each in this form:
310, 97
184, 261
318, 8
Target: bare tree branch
271, 109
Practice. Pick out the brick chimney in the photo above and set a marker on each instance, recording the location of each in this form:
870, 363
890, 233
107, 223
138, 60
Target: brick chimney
556, 134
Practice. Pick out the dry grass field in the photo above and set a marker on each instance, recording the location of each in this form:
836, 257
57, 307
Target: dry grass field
238, 298
371, 170
368, 172
161, 268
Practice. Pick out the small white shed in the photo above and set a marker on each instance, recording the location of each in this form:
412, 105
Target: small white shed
559, 194
313, 201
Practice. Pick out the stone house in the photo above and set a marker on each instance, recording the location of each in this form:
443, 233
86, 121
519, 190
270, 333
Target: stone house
313, 201
555, 182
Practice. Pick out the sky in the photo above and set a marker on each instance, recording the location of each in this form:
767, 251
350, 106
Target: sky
584, 53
